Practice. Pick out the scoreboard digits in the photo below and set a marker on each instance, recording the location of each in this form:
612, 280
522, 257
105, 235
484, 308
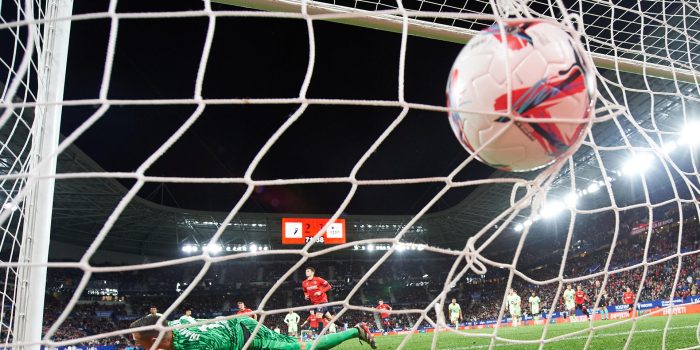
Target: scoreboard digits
302, 231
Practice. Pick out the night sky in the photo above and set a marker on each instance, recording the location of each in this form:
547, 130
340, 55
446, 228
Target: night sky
264, 58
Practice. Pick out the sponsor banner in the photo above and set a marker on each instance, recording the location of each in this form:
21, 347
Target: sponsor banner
615, 308
618, 315
73, 347
581, 318
676, 310
637, 229
394, 332
664, 303
646, 305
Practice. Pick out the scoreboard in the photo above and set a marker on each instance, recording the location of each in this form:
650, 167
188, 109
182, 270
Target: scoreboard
302, 230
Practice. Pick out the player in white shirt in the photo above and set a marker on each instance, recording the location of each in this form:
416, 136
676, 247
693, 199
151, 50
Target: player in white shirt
514, 307
188, 316
534, 301
455, 313
569, 304
153, 310
292, 321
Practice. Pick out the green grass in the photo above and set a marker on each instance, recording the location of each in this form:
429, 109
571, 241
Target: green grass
648, 335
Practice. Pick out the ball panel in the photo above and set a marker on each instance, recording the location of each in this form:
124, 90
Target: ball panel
531, 69
547, 82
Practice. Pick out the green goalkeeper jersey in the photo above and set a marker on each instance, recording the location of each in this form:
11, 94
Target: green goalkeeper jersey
222, 335
228, 335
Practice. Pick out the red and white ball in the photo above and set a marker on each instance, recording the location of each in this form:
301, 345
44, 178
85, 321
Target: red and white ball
550, 78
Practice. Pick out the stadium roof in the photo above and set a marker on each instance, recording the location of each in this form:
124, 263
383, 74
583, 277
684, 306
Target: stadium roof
81, 207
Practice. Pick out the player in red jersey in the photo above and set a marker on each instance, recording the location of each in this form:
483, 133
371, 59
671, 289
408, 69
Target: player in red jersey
315, 289
313, 321
383, 315
579, 298
322, 322
628, 298
244, 310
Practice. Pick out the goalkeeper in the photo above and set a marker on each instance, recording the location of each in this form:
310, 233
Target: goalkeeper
232, 334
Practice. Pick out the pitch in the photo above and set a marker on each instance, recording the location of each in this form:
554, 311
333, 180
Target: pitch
648, 335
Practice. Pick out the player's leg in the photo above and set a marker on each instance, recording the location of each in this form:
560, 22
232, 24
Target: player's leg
330, 341
572, 313
325, 311
585, 311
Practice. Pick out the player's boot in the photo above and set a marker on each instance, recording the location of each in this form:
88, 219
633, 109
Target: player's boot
366, 335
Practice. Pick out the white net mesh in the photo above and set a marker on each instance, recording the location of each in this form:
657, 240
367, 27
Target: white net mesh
634, 180
18, 64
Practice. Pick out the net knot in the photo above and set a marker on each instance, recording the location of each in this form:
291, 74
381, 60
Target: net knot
472, 258
516, 8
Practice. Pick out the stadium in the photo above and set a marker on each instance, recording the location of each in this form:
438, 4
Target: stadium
194, 165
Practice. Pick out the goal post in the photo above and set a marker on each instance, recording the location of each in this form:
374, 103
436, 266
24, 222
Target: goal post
38, 202
392, 21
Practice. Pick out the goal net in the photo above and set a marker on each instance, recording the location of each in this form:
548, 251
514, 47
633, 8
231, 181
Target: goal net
186, 132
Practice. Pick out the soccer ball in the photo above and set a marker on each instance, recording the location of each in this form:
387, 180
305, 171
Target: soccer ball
549, 78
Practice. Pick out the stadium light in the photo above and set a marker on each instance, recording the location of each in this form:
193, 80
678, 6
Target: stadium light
370, 247
400, 247
571, 199
253, 247
519, 227
527, 223
689, 135
551, 209
637, 164
669, 147
212, 248
594, 187
189, 248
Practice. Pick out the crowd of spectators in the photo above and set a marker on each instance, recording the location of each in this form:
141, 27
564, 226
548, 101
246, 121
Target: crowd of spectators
648, 263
